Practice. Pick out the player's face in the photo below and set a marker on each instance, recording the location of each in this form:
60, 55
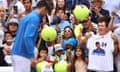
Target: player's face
44, 11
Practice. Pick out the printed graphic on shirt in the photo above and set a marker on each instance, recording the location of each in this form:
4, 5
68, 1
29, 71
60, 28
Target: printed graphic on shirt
99, 51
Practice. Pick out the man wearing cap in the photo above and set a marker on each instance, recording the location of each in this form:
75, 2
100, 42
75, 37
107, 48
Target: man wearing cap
24, 44
13, 26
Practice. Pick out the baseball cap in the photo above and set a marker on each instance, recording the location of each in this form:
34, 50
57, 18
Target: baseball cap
58, 47
71, 41
14, 20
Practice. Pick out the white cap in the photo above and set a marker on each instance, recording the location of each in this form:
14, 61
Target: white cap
58, 47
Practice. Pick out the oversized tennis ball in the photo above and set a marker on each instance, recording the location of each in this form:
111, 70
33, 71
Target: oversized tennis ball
78, 30
40, 65
48, 34
81, 12
61, 66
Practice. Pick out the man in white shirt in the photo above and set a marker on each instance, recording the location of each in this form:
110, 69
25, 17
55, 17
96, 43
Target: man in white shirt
108, 42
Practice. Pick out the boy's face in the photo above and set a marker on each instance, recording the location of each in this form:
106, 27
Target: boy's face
8, 36
43, 53
59, 52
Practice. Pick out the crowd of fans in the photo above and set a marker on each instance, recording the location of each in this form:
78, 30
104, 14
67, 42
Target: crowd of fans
103, 19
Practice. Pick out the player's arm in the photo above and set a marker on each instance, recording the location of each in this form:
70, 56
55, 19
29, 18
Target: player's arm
116, 44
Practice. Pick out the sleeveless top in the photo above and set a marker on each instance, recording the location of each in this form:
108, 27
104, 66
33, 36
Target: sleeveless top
101, 60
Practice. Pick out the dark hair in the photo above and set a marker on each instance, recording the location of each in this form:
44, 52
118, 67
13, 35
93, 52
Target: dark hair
75, 58
42, 3
71, 30
105, 19
29, 1
97, 43
42, 48
58, 9
51, 6
8, 32
97, 1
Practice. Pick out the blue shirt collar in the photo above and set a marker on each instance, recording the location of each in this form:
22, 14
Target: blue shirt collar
37, 13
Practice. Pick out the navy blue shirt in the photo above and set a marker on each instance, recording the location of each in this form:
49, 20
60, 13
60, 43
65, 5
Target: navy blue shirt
71, 3
95, 17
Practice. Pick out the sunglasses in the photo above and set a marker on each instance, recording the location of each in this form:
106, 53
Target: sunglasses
84, 21
67, 31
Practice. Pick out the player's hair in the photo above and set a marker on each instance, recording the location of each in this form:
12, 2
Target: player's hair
42, 3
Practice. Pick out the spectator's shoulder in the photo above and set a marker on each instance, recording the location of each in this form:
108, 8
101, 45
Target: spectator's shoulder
114, 37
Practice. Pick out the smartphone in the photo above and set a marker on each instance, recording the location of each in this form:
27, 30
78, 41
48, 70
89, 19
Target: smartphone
15, 9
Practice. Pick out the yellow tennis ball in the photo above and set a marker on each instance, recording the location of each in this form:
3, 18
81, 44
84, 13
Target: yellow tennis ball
40, 65
78, 30
48, 34
81, 12
61, 66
